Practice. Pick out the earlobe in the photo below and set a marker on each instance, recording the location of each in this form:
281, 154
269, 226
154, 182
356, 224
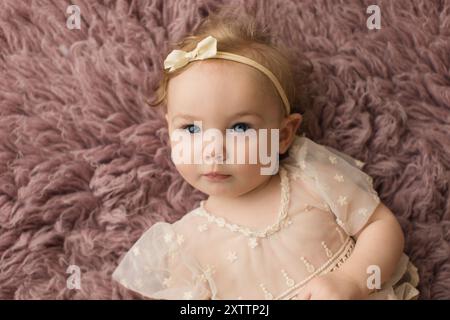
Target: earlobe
288, 130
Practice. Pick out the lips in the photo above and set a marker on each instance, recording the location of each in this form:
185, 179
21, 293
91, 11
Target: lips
216, 176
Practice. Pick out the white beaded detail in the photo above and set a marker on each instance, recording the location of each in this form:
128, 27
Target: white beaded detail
180, 239
203, 227
253, 242
332, 159
220, 222
342, 200
343, 258
232, 257
168, 237
327, 250
282, 214
308, 265
267, 294
207, 273
363, 212
296, 175
172, 239
341, 254
340, 223
339, 177
289, 281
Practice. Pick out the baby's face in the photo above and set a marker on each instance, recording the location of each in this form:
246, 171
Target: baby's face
222, 95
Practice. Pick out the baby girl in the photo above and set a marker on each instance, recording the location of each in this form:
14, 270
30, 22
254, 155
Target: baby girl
314, 228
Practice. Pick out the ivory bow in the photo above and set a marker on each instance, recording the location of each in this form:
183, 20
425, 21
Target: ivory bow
206, 48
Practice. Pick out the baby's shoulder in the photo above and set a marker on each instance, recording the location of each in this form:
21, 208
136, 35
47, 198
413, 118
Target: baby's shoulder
165, 236
189, 226
323, 165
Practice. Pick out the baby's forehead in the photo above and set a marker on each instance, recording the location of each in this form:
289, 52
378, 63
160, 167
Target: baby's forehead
220, 69
220, 79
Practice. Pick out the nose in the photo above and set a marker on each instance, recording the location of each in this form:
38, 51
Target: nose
216, 144
218, 157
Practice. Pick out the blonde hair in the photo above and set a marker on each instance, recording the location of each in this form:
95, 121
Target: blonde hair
241, 34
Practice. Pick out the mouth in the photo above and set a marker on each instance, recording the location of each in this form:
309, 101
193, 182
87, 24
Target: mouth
216, 176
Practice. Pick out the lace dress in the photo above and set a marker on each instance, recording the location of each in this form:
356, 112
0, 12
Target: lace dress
325, 199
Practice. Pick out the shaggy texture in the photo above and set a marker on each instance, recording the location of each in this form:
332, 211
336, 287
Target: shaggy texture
85, 165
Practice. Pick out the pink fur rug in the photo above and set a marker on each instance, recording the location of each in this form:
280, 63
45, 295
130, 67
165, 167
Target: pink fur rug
85, 166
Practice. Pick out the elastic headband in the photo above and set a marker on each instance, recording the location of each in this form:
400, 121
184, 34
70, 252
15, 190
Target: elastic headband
207, 49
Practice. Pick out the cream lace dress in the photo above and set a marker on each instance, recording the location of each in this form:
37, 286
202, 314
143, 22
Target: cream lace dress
326, 199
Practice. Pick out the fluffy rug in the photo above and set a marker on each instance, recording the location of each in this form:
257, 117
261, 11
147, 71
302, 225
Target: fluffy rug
85, 166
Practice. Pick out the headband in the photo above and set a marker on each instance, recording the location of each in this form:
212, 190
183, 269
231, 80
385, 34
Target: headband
207, 49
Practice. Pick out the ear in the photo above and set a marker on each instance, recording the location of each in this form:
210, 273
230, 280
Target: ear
166, 115
288, 128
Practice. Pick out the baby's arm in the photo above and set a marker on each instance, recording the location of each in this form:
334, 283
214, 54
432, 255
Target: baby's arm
379, 243
350, 194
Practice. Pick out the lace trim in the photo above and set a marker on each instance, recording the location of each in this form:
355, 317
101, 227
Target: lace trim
282, 215
331, 264
342, 259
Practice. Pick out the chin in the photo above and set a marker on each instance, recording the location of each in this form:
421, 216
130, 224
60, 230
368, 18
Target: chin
218, 189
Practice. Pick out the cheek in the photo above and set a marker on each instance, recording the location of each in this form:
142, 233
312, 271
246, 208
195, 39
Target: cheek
248, 176
184, 146
243, 149
187, 171
255, 147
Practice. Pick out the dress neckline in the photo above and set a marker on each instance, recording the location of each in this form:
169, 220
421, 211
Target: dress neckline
250, 232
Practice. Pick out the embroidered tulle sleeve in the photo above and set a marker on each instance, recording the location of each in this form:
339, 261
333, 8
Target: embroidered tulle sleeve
158, 267
340, 181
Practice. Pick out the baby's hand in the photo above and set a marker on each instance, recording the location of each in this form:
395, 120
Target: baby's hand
335, 285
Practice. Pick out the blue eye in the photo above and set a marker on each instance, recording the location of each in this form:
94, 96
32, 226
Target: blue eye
240, 127
191, 128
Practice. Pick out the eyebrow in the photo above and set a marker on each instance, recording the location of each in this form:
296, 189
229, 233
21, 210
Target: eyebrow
245, 113
184, 116
237, 115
